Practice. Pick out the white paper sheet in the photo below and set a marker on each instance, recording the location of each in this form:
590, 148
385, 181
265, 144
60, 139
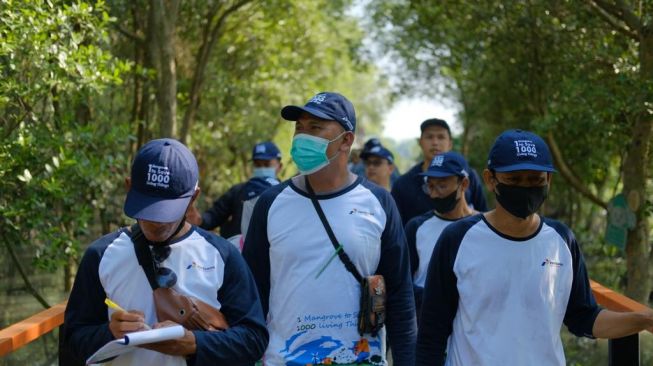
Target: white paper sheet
132, 340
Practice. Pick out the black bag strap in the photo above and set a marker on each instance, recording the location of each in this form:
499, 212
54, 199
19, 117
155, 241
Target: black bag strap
143, 254
349, 265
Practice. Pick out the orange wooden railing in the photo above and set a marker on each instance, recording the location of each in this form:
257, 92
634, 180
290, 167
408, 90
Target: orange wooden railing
21, 333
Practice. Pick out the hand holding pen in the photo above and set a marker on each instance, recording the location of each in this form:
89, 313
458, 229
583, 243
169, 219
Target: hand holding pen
123, 322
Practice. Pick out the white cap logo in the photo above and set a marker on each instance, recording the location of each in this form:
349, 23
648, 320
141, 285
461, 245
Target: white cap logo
260, 148
158, 176
438, 160
525, 148
318, 99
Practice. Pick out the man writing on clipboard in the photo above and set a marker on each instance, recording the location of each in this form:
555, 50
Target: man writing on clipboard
186, 259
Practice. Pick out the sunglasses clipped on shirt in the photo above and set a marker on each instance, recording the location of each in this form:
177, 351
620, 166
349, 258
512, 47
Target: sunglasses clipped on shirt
165, 277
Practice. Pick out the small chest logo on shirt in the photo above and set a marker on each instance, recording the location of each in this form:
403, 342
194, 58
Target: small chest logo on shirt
360, 212
200, 267
550, 263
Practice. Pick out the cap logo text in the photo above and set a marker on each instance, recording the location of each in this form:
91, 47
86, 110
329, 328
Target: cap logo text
318, 99
158, 176
260, 148
525, 148
438, 160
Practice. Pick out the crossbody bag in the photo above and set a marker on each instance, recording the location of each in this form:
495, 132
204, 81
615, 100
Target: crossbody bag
191, 312
371, 315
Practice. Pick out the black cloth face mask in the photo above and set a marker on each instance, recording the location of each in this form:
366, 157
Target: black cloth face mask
521, 201
446, 204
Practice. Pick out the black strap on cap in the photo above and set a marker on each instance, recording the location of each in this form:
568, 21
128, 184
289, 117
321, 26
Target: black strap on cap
349, 265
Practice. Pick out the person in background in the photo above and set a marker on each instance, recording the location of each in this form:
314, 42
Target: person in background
226, 211
407, 191
360, 170
446, 181
379, 165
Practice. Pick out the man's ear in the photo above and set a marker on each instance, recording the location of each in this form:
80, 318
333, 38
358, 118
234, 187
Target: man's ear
489, 180
128, 183
347, 141
464, 183
195, 195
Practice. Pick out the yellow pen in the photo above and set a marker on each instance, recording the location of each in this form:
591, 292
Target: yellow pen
115, 306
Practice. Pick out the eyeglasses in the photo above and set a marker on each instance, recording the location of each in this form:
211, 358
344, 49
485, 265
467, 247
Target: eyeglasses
440, 188
165, 277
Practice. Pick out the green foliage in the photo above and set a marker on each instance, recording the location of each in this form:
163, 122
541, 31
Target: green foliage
53, 63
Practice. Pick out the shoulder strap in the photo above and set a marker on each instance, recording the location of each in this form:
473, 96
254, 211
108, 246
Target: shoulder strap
144, 255
341, 252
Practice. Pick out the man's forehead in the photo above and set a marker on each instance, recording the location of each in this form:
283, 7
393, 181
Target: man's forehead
435, 180
307, 117
375, 158
435, 130
523, 174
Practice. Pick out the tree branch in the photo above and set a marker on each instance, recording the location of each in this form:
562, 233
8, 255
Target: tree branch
28, 285
133, 36
569, 175
613, 22
621, 12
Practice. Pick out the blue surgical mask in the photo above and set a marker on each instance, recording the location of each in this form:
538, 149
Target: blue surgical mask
265, 172
309, 152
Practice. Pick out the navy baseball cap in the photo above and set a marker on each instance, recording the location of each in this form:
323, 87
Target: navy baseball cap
266, 151
371, 143
519, 150
435, 122
326, 105
446, 165
379, 151
164, 177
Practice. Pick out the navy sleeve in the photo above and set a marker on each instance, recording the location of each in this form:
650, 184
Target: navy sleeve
411, 240
222, 209
398, 193
246, 339
440, 298
86, 319
474, 193
582, 308
394, 265
256, 249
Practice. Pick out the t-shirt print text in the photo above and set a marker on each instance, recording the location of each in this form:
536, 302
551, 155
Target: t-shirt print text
158, 176
525, 148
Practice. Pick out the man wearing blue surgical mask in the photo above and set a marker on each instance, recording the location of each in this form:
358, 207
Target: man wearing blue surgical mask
310, 296
226, 211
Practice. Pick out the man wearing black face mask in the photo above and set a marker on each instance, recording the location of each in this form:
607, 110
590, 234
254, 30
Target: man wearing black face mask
500, 285
445, 182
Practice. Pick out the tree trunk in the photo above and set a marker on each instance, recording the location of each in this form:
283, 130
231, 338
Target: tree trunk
636, 165
161, 42
211, 33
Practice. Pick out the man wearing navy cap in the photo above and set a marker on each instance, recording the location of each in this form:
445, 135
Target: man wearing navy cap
311, 299
411, 199
379, 165
500, 285
162, 186
227, 211
445, 181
